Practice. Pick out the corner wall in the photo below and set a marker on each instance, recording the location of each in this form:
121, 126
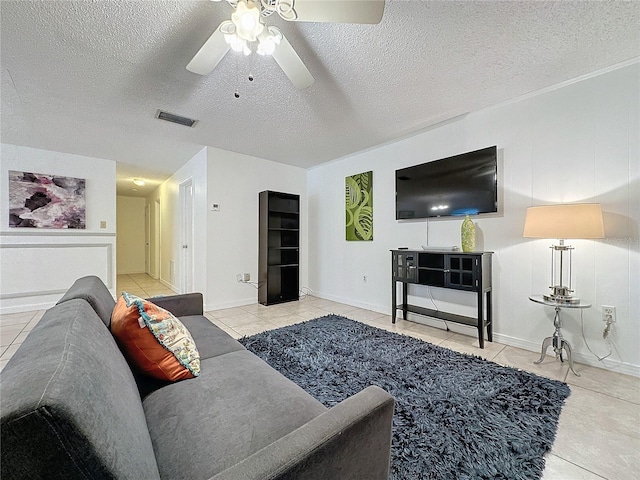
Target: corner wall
38, 265
578, 143
225, 241
235, 180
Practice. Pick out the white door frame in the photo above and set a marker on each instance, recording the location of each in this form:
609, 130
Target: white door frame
186, 236
147, 238
157, 241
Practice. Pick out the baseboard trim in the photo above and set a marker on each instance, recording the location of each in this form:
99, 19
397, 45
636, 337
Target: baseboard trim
579, 357
168, 285
233, 304
27, 307
347, 301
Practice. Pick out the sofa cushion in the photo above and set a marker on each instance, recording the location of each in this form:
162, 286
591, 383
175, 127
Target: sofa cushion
154, 341
237, 406
70, 406
210, 339
94, 291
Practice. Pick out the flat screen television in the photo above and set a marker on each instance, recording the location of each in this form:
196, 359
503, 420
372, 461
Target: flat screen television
465, 184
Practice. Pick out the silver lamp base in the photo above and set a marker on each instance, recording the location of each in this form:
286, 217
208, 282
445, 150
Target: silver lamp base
562, 296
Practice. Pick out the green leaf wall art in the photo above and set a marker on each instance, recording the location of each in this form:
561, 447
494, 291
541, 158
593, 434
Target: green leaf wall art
359, 206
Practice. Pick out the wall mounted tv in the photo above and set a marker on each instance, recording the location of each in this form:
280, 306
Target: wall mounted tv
465, 184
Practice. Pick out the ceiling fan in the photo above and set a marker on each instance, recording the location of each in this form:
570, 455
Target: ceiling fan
247, 31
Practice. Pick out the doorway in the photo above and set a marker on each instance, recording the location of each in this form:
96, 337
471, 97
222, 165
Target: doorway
186, 236
147, 239
157, 239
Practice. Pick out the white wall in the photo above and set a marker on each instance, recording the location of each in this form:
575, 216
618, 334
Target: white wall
130, 234
225, 241
235, 181
38, 265
167, 195
572, 144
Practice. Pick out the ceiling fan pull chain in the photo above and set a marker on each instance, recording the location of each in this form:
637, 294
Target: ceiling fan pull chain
237, 77
252, 66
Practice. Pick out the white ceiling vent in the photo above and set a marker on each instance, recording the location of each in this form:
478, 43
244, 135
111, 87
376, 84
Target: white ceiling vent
170, 117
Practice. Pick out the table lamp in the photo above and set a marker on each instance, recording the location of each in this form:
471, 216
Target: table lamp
579, 220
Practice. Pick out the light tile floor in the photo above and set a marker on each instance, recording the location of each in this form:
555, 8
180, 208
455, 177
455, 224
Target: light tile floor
599, 432
142, 285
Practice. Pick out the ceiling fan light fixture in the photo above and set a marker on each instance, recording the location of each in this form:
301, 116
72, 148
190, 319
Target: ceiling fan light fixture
247, 21
237, 44
266, 46
268, 40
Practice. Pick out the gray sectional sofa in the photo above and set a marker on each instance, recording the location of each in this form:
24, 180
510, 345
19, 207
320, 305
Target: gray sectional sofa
73, 408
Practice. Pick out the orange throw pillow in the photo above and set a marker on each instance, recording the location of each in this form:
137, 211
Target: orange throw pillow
154, 340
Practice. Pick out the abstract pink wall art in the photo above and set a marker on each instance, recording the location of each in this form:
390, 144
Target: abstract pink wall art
46, 201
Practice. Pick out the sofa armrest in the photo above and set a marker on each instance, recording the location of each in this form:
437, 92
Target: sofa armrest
181, 305
350, 441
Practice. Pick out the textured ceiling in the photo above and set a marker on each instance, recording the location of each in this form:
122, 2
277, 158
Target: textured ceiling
88, 77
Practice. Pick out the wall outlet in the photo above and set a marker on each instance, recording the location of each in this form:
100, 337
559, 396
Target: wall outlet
239, 277
246, 277
103, 224
364, 279
608, 313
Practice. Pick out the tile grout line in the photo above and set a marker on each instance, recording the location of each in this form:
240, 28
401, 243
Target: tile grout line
573, 385
493, 359
13, 342
578, 466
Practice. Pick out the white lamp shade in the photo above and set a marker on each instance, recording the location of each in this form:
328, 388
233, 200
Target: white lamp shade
580, 220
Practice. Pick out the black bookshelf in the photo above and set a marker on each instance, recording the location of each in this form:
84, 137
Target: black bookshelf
279, 247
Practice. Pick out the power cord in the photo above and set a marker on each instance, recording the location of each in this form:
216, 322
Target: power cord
435, 306
432, 301
304, 293
607, 329
253, 284
605, 334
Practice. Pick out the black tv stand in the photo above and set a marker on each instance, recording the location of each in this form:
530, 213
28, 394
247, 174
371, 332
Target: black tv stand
445, 269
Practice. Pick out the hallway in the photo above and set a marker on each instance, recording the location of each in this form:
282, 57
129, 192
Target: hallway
142, 285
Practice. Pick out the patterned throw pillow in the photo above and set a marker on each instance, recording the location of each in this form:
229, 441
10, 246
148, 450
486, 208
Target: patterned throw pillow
154, 340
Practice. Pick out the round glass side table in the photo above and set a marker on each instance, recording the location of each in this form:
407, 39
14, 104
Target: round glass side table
556, 340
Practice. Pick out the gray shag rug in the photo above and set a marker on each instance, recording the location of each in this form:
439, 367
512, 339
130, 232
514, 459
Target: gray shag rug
457, 416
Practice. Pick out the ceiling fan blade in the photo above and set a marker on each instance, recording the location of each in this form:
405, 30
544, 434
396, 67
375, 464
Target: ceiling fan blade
339, 11
291, 64
210, 54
